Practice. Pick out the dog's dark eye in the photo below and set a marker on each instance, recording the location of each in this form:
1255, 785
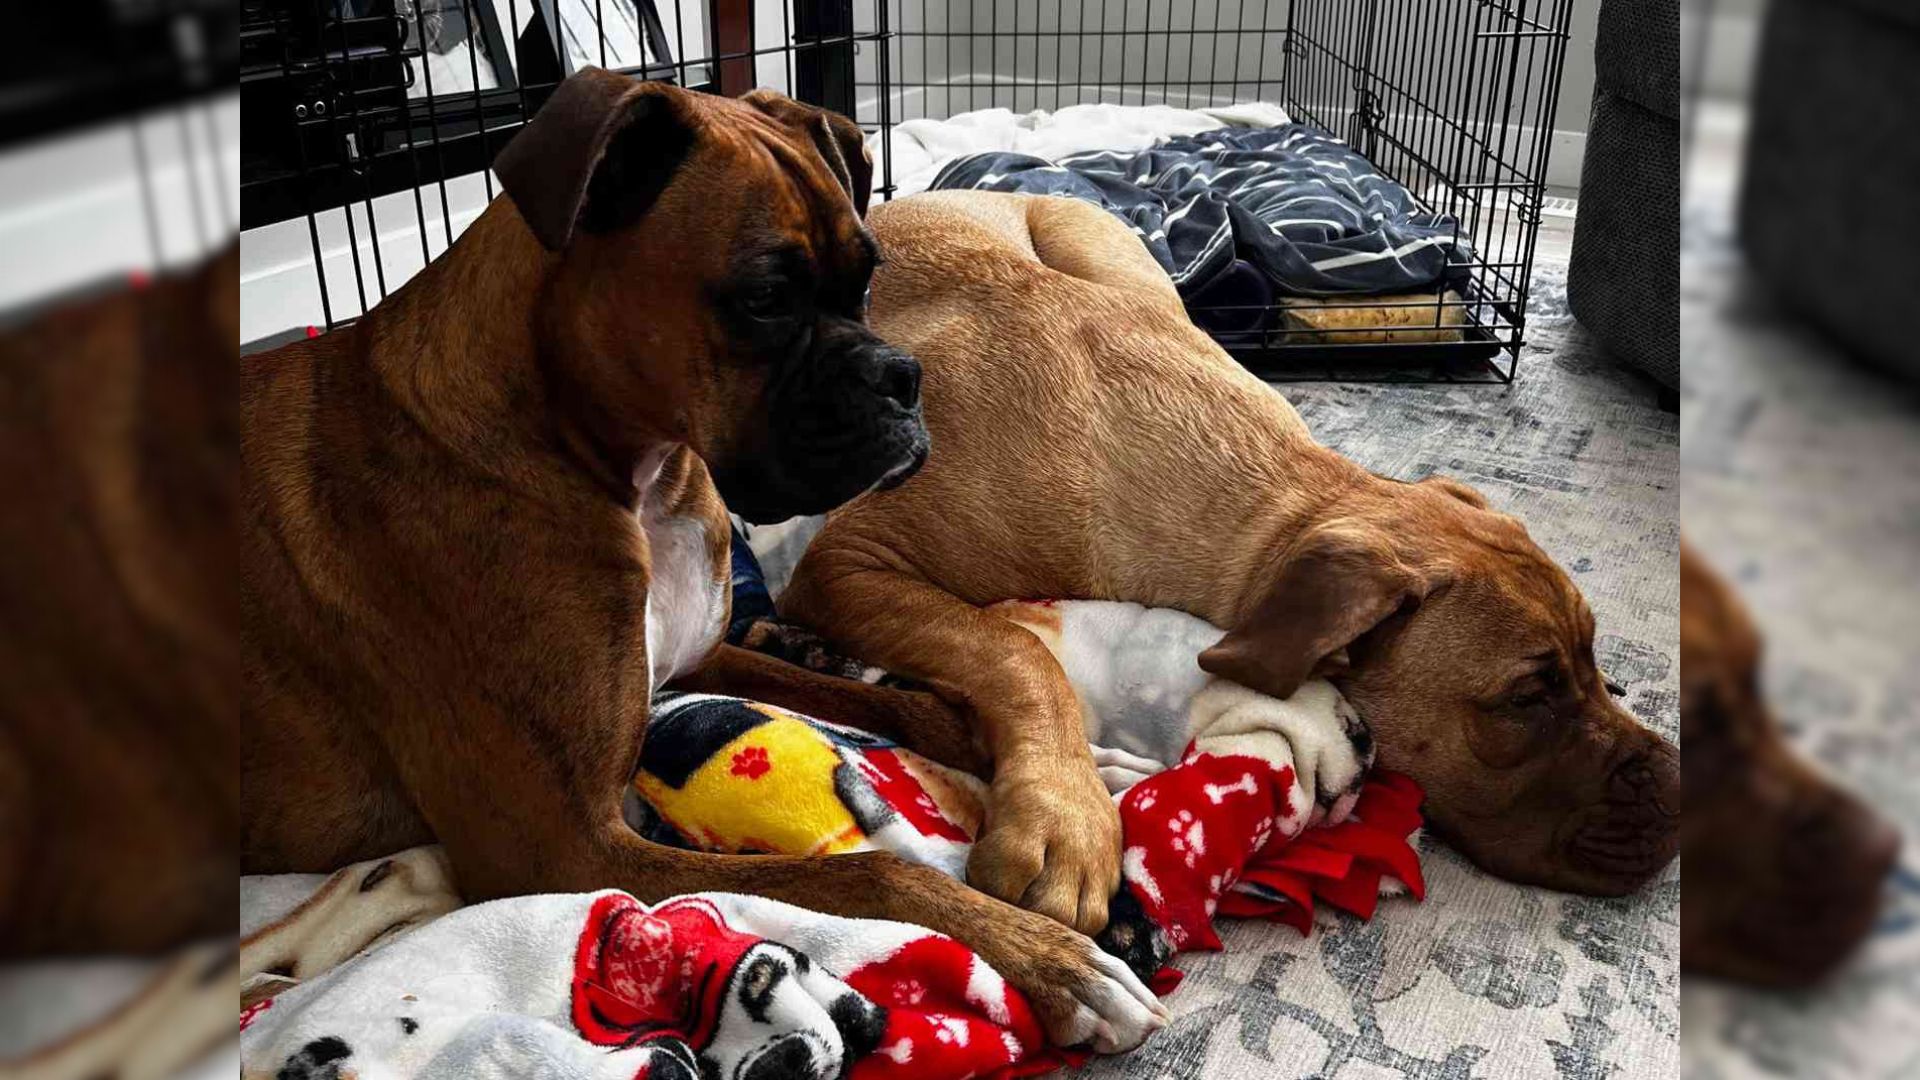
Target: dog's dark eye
765, 302
1537, 692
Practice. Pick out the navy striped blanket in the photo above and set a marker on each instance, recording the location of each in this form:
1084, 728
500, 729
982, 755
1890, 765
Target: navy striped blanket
1240, 216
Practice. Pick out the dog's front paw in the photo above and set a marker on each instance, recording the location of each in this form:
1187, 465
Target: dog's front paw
1052, 844
1082, 995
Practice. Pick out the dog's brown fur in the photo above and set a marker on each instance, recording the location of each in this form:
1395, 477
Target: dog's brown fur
119, 790
1090, 442
1784, 866
447, 572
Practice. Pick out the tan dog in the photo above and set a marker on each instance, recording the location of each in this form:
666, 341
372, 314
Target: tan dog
1784, 867
485, 522
1091, 443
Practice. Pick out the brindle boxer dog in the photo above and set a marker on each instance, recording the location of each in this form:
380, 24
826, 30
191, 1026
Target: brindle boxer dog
119, 791
485, 523
1784, 867
119, 785
1094, 444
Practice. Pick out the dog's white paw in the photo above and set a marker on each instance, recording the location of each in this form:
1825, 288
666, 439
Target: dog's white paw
1316, 731
1114, 1012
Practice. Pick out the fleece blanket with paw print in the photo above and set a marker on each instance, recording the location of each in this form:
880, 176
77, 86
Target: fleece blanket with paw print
1231, 803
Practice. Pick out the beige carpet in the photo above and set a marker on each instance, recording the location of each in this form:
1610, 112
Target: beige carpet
1802, 476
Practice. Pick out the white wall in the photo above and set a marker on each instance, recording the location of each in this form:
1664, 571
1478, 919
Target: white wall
279, 288
74, 211
1576, 86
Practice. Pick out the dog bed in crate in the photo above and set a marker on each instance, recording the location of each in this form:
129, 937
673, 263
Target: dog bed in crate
1282, 227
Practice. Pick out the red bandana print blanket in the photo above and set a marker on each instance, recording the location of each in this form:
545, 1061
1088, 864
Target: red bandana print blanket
1216, 833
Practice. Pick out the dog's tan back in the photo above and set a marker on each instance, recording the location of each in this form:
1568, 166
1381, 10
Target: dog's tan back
1058, 337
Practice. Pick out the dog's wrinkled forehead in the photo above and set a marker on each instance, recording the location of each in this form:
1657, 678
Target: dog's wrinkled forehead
1531, 601
604, 149
807, 208
798, 161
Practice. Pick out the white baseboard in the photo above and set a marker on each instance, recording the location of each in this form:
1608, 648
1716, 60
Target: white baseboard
1569, 150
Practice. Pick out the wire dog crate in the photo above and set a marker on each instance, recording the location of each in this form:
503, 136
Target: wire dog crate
369, 125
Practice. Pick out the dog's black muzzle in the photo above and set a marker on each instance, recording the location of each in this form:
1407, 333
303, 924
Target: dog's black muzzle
843, 421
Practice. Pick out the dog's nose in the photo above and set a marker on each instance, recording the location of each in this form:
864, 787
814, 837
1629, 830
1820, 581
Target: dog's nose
1650, 779
1635, 830
896, 377
1839, 845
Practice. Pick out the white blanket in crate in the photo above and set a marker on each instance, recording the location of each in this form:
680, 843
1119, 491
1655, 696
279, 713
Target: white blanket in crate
921, 147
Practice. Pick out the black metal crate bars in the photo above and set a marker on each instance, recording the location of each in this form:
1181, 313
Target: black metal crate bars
369, 123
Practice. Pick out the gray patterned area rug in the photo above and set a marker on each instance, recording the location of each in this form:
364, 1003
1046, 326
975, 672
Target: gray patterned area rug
1484, 979
1802, 476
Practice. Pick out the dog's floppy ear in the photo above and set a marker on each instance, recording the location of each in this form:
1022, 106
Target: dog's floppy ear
1336, 583
596, 155
1458, 490
838, 139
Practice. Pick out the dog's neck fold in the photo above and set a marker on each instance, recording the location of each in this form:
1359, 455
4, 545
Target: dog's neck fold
464, 360
1222, 544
